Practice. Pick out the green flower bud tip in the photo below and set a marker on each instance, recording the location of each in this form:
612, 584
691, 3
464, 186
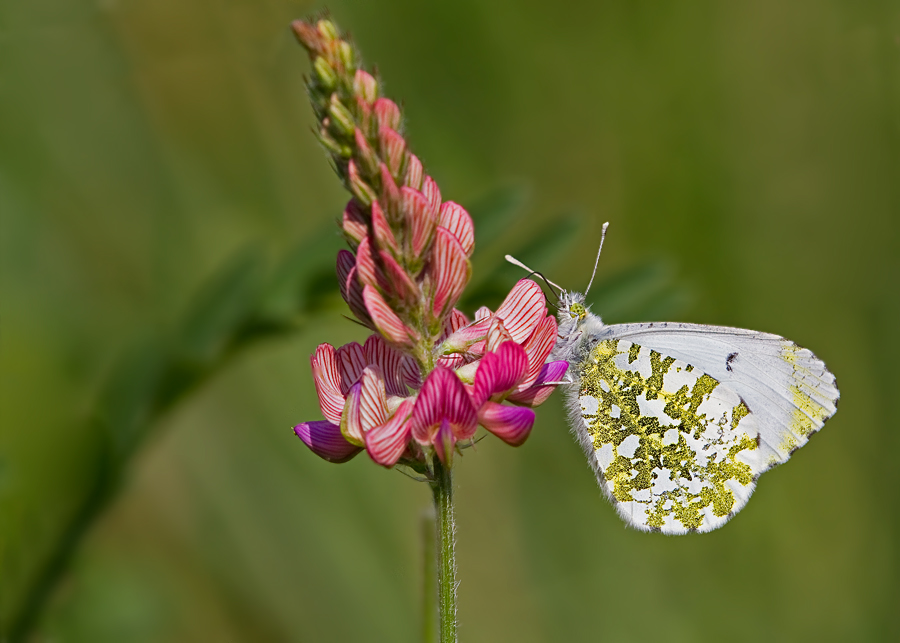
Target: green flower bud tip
343, 119
327, 30
325, 73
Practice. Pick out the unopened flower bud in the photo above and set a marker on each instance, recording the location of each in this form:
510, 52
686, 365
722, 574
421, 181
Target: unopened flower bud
327, 30
308, 35
413, 174
360, 189
342, 118
393, 149
387, 113
325, 73
345, 55
365, 86
332, 145
354, 223
365, 153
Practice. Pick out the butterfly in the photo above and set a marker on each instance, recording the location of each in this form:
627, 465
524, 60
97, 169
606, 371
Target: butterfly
679, 420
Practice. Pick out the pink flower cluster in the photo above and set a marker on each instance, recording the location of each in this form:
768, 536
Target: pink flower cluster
428, 376
372, 396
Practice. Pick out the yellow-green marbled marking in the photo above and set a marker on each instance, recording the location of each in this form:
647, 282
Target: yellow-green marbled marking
667, 437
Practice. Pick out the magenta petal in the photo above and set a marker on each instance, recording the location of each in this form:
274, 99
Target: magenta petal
325, 440
512, 424
387, 442
499, 372
537, 393
445, 442
443, 397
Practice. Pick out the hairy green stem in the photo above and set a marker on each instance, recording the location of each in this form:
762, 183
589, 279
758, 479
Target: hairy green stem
442, 488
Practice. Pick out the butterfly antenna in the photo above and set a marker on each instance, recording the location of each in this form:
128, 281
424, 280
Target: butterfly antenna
602, 238
557, 289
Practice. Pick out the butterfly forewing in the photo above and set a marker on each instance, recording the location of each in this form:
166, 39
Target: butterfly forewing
673, 448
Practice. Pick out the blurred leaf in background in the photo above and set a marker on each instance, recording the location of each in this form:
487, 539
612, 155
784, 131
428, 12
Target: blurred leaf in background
163, 203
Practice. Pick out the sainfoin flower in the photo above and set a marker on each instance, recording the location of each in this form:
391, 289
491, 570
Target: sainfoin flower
428, 376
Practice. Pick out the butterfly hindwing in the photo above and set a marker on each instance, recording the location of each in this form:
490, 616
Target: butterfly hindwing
673, 448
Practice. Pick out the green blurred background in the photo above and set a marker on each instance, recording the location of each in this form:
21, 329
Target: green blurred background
167, 246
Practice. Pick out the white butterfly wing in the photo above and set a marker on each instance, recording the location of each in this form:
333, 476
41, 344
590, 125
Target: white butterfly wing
787, 388
679, 420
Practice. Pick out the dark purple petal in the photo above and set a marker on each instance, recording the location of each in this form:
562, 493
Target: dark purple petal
325, 440
512, 424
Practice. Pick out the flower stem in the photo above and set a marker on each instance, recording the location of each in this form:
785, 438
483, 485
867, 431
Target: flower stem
442, 488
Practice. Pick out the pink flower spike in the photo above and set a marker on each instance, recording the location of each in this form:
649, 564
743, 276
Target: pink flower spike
326, 376
457, 220
443, 398
538, 347
383, 233
433, 195
393, 149
325, 440
354, 222
387, 113
450, 271
499, 372
386, 321
351, 362
537, 393
512, 424
419, 218
413, 176
386, 442
523, 309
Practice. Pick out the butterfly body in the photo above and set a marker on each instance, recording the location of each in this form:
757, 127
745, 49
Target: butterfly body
679, 420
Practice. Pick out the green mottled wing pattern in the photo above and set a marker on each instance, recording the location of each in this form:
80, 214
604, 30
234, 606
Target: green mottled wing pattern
674, 449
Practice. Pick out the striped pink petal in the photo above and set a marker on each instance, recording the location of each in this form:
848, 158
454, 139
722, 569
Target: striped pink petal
450, 271
364, 152
351, 361
325, 440
384, 236
354, 222
412, 377
413, 176
538, 347
327, 378
387, 113
512, 424
445, 442
393, 149
365, 86
482, 313
368, 271
386, 321
386, 442
351, 425
523, 309
372, 399
420, 220
537, 393
496, 335
499, 372
443, 397
390, 361
433, 195
457, 221
390, 193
